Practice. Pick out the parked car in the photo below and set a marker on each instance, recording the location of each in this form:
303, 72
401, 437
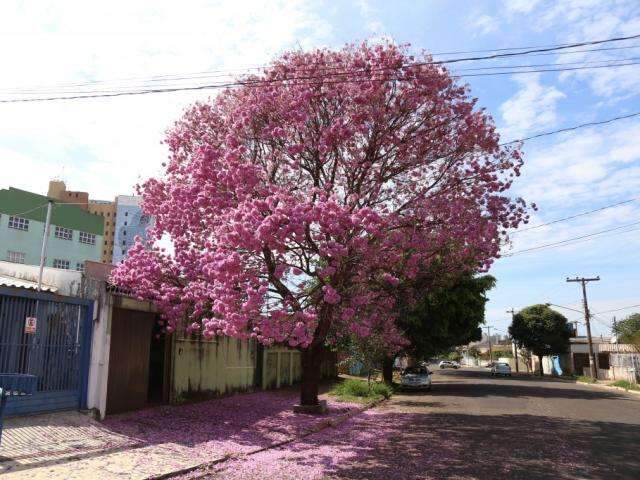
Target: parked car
500, 368
449, 364
418, 378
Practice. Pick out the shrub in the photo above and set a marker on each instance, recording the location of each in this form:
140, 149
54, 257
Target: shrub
585, 379
352, 389
626, 385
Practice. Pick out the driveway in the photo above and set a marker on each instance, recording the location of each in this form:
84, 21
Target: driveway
470, 426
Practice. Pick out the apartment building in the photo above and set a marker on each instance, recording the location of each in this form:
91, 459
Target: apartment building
75, 235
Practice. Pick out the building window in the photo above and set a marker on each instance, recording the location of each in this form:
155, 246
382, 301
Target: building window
88, 238
15, 257
126, 214
125, 223
124, 232
124, 252
124, 242
18, 223
80, 267
64, 233
63, 264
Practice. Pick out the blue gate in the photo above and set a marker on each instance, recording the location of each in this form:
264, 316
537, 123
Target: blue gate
55, 348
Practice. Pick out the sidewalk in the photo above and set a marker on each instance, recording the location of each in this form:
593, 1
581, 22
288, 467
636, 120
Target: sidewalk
155, 441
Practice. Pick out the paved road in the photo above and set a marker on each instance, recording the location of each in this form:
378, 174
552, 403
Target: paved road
472, 425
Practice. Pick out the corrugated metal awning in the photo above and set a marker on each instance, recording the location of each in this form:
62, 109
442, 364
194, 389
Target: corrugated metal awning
7, 281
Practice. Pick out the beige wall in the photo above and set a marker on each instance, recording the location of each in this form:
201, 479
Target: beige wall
209, 368
58, 190
108, 211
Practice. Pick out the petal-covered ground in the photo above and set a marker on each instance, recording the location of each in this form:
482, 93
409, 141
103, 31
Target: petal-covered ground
154, 441
388, 444
224, 426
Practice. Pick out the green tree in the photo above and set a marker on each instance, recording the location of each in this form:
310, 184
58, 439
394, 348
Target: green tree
448, 315
628, 330
541, 330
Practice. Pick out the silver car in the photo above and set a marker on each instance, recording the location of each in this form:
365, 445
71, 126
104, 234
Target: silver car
501, 368
449, 364
418, 378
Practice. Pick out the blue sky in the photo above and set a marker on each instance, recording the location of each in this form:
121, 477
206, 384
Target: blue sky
105, 146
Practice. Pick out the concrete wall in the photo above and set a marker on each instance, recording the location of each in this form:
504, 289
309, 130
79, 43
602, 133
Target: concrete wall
100, 348
204, 368
281, 367
104, 303
67, 282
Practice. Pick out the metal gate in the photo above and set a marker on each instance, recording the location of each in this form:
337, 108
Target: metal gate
48, 336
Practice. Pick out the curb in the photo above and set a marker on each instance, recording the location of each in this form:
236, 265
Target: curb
610, 387
329, 422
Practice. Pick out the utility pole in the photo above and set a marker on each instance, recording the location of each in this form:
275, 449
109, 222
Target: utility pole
615, 332
45, 240
515, 346
489, 337
587, 317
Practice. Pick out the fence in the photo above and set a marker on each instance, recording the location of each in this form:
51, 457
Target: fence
625, 366
48, 336
282, 367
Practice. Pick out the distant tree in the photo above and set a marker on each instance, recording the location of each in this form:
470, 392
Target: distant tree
473, 352
541, 330
628, 330
445, 316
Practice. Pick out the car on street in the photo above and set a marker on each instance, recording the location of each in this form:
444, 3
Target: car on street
500, 368
449, 364
418, 378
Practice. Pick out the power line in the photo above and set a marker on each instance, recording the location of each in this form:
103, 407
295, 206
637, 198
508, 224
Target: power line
568, 240
533, 227
207, 75
296, 80
618, 309
570, 129
291, 81
557, 49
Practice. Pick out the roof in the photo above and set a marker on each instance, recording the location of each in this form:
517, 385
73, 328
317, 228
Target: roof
14, 201
6, 281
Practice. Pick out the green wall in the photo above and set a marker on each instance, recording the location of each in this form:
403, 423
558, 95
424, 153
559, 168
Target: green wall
30, 206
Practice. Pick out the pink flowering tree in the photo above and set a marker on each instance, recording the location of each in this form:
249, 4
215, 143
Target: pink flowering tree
298, 201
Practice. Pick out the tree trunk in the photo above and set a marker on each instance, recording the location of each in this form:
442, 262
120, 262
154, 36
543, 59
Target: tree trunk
541, 367
311, 359
387, 370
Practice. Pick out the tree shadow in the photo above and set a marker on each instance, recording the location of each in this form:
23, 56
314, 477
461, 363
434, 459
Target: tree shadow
434, 446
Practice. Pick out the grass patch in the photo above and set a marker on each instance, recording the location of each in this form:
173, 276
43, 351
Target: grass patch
585, 379
351, 390
626, 385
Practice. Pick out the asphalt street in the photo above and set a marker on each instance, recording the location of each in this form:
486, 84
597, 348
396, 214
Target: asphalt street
472, 425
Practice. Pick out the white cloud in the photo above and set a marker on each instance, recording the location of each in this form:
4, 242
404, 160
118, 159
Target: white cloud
584, 20
485, 24
532, 108
520, 6
106, 145
582, 166
371, 16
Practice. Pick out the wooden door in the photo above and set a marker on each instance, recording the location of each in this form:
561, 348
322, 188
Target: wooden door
128, 382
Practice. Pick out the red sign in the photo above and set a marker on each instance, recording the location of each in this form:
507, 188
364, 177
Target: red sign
30, 325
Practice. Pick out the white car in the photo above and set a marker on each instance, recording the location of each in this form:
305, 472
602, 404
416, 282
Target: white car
449, 364
418, 378
500, 368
